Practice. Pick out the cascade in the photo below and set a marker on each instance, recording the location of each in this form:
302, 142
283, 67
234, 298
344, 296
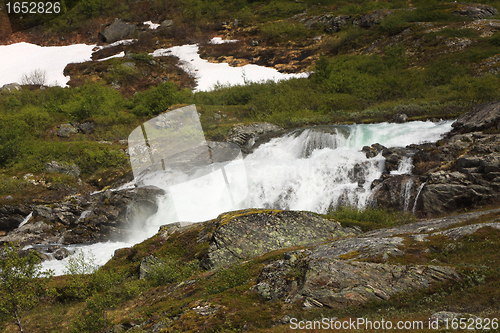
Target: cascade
406, 193
414, 210
26, 219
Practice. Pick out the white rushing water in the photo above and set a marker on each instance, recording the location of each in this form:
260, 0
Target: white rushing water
307, 170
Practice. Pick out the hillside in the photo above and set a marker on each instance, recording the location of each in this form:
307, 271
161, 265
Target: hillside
426, 248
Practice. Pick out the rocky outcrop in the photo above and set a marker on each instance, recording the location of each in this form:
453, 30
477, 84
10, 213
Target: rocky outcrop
332, 23
63, 168
265, 231
460, 171
482, 117
116, 31
329, 275
335, 283
104, 216
476, 11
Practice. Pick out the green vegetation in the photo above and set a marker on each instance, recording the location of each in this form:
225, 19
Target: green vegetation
23, 285
370, 218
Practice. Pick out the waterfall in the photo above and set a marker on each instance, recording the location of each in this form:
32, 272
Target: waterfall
405, 167
26, 219
406, 193
313, 169
414, 210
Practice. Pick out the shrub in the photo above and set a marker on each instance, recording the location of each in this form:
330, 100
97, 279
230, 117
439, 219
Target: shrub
157, 99
37, 77
228, 278
22, 283
370, 218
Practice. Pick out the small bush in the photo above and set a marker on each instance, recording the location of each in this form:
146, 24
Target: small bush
38, 77
228, 278
171, 271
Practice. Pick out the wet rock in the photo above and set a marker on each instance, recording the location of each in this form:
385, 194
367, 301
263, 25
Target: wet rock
147, 266
66, 130
246, 135
265, 231
61, 254
116, 31
480, 118
400, 118
12, 216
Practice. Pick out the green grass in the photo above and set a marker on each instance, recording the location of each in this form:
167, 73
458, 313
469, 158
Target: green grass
370, 218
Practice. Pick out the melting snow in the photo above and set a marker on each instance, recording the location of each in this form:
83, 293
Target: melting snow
24, 58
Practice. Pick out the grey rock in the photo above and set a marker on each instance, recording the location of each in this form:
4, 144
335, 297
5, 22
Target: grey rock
476, 11
147, 266
166, 24
400, 118
61, 254
63, 168
66, 130
9, 87
116, 31
456, 233
265, 231
480, 118
85, 128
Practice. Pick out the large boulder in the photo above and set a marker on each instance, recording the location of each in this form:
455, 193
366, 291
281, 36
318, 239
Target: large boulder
116, 31
250, 233
480, 118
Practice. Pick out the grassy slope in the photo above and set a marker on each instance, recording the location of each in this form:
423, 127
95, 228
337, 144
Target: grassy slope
114, 294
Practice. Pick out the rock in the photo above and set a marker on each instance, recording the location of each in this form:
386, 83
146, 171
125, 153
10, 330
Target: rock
245, 135
9, 87
456, 233
373, 18
265, 231
116, 31
85, 128
166, 24
63, 168
65, 130
476, 11
480, 118
147, 266
12, 216
400, 118
61, 254
326, 281
442, 198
